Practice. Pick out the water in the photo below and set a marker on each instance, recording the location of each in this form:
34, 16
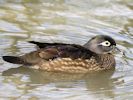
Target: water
66, 21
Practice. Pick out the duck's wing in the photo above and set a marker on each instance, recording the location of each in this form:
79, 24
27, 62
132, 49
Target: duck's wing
44, 45
50, 53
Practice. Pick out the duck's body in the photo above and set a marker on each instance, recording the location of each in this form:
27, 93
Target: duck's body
69, 58
78, 65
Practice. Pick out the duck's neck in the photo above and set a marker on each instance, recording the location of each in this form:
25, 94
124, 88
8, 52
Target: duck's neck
106, 60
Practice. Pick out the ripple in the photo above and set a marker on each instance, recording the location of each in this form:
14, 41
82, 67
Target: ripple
69, 21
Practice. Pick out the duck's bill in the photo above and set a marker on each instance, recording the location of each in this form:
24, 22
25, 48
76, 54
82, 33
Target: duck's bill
117, 50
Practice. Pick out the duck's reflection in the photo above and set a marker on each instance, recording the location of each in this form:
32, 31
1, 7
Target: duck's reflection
95, 82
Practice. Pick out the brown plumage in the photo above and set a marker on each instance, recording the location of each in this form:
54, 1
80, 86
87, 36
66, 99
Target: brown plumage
95, 55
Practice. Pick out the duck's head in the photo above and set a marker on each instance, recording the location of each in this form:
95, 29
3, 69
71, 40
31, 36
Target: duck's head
101, 44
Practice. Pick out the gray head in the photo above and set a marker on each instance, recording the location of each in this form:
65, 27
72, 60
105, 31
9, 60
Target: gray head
101, 44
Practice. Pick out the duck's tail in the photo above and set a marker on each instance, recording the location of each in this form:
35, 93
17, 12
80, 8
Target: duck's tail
13, 59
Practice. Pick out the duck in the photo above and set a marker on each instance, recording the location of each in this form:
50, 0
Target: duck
95, 55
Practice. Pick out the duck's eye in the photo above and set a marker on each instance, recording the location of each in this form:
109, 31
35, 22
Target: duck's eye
105, 43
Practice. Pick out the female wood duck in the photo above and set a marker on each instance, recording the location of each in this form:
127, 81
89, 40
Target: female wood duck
95, 55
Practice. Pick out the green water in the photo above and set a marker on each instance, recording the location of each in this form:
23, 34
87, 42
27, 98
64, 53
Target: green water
66, 21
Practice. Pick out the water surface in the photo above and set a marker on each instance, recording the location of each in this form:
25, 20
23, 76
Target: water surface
66, 21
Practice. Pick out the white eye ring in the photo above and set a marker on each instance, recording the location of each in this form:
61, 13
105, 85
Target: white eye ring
105, 43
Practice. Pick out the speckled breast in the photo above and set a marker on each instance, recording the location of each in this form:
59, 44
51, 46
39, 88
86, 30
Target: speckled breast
69, 65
